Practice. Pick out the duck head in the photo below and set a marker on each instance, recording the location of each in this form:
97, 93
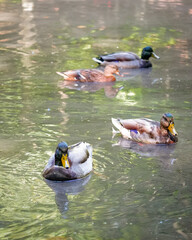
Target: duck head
147, 52
61, 155
167, 122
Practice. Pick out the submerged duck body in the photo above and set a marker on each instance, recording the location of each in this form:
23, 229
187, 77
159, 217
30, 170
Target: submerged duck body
91, 75
69, 162
148, 131
128, 59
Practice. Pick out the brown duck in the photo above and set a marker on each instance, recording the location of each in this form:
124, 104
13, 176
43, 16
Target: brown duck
91, 75
145, 130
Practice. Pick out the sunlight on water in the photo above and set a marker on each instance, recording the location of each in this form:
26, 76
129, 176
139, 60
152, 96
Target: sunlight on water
135, 191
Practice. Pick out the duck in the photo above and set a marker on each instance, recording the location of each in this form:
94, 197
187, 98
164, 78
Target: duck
91, 75
144, 130
69, 162
128, 59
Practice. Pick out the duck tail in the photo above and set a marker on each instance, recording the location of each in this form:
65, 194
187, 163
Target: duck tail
97, 60
114, 132
62, 74
116, 123
124, 132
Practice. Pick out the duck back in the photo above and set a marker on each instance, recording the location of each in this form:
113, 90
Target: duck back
119, 56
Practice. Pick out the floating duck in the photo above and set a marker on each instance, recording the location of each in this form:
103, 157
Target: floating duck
69, 162
128, 59
91, 75
145, 130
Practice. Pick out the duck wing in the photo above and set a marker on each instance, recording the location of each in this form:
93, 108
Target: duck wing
139, 130
80, 157
141, 125
71, 75
119, 56
91, 75
83, 75
79, 153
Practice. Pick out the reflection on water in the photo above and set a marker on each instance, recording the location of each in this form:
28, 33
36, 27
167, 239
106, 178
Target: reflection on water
27, 32
135, 191
63, 189
109, 89
163, 152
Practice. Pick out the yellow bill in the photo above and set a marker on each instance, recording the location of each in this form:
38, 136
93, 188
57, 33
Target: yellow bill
65, 161
155, 55
172, 130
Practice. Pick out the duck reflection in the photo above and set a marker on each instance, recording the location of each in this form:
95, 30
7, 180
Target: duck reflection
131, 73
145, 74
109, 90
164, 152
64, 188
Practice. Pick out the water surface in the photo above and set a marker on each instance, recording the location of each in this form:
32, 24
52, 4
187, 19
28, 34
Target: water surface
134, 192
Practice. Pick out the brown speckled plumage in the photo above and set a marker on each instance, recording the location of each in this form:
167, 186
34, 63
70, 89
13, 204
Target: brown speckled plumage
148, 131
91, 75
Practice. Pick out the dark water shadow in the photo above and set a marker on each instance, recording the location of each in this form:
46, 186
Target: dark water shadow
63, 189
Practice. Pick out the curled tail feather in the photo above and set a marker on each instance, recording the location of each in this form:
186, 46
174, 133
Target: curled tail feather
97, 60
114, 132
61, 74
124, 132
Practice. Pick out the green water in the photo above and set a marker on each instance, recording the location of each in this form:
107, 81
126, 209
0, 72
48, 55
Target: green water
135, 192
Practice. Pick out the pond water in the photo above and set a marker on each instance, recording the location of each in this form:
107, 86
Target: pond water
134, 192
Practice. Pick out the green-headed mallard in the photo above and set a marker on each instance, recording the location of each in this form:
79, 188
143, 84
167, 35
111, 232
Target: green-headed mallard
145, 130
69, 162
128, 59
91, 75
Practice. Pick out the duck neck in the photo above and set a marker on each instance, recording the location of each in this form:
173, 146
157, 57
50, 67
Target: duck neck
145, 56
164, 132
110, 78
107, 73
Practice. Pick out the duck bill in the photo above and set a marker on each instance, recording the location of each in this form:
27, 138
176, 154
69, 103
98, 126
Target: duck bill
65, 161
155, 56
172, 130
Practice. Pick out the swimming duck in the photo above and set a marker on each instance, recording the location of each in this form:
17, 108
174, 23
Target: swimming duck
128, 59
69, 162
145, 130
91, 75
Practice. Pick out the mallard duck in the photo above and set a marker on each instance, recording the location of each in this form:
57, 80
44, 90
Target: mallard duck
69, 162
91, 75
145, 130
128, 59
